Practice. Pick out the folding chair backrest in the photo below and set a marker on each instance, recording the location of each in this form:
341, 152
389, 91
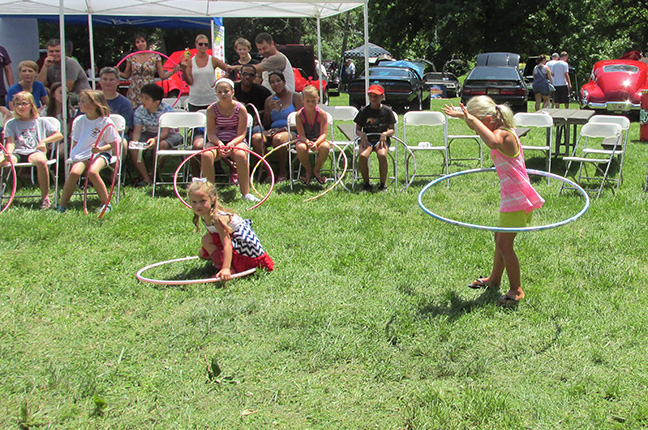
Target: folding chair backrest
623, 121
119, 121
523, 119
182, 120
423, 118
171, 100
341, 113
54, 122
601, 130
292, 122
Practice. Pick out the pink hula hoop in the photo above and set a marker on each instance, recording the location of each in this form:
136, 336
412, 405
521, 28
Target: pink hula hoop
175, 175
15, 179
153, 52
140, 277
114, 177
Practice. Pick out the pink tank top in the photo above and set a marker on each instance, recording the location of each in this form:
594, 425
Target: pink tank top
515, 188
226, 126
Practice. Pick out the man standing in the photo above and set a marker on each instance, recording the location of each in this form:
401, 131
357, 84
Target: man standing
273, 61
562, 82
247, 92
77, 80
5, 70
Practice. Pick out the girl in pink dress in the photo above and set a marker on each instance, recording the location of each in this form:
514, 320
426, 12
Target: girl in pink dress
494, 124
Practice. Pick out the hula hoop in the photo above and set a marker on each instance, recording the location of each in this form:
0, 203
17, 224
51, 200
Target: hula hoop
504, 229
15, 178
153, 52
114, 177
141, 278
175, 175
290, 142
272, 149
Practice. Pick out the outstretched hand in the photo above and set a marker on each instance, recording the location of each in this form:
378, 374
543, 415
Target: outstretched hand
461, 113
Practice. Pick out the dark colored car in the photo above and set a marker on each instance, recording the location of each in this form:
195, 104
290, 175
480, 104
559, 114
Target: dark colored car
404, 85
442, 84
333, 78
497, 75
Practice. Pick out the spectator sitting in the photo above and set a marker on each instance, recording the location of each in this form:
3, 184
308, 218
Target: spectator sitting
145, 129
248, 92
118, 104
28, 71
77, 80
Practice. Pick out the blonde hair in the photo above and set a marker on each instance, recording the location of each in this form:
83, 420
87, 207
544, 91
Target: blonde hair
29, 64
483, 106
98, 99
29, 98
209, 189
243, 41
310, 90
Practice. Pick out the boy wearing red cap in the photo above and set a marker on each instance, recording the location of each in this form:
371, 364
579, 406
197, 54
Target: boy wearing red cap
374, 125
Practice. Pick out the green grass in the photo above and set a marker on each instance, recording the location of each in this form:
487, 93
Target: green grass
366, 321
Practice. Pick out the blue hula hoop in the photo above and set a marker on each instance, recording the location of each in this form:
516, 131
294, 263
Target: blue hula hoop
504, 229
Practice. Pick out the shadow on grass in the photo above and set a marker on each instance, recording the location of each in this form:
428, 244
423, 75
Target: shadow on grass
455, 306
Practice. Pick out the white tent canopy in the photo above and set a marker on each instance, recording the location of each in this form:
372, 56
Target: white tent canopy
182, 8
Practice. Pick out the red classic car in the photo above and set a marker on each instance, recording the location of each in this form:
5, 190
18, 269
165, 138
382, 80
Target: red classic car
615, 85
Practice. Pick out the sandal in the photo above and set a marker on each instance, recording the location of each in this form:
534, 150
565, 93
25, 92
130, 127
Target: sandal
479, 284
321, 179
306, 180
507, 301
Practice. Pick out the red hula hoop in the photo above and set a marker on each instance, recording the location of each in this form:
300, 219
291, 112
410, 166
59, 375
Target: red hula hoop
153, 52
92, 160
175, 175
15, 179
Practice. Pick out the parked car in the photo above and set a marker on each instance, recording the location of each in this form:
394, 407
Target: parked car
497, 75
442, 84
402, 81
615, 85
333, 83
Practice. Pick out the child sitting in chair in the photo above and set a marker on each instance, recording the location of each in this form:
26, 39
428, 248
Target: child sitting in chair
374, 125
146, 121
311, 124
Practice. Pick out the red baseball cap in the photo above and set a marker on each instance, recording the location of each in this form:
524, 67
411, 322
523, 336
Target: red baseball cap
376, 89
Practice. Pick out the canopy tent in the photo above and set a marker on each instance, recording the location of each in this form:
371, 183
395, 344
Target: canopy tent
182, 8
369, 49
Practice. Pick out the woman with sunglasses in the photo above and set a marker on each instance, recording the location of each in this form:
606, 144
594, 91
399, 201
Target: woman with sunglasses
200, 73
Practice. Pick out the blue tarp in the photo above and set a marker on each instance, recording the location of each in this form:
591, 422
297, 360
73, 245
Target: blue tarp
134, 21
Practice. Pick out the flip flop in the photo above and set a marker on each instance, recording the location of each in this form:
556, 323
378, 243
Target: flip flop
507, 300
321, 179
306, 180
479, 284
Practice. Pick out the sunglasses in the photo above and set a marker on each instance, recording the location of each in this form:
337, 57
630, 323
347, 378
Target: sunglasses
203, 44
246, 74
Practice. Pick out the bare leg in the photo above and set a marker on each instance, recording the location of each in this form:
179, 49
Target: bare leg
363, 157
322, 154
507, 260
304, 159
382, 163
76, 171
207, 164
39, 160
95, 178
242, 168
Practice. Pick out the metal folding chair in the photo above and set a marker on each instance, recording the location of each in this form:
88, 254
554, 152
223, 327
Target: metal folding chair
591, 138
429, 120
537, 120
457, 133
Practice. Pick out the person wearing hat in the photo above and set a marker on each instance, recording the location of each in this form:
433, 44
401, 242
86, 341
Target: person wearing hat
374, 125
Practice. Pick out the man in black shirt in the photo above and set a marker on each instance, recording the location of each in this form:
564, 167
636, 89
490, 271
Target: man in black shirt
246, 91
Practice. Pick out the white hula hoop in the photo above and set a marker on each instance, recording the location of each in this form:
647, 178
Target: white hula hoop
139, 276
505, 229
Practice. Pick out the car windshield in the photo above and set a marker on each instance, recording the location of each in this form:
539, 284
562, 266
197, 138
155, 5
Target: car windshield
620, 68
387, 72
493, 73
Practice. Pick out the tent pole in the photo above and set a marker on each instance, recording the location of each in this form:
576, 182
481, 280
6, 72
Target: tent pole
92, 58
366, 48
319, 60
64, 90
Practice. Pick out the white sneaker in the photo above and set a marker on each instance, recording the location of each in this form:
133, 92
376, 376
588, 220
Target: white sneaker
108, 209
250, 198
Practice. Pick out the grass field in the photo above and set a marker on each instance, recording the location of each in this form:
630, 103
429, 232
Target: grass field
366, 322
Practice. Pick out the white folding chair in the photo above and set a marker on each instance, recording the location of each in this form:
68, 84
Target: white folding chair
624, 122
179, 106
592, 137
429, 120
52, 160
186, 122
343, 140
537, 120
457, 130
